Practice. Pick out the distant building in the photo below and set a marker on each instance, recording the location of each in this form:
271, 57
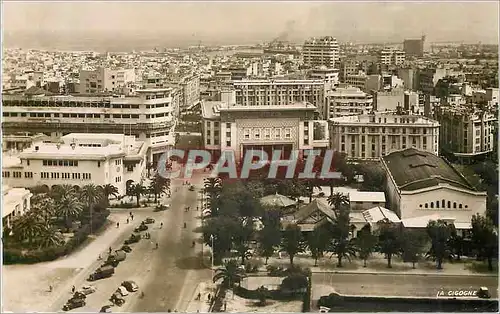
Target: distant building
410, 78
330, 76
80, 159
104, 80
365, 82
347, 101
428, 79
422, 186
388, 100
15, 202
391, 57
322, 51
374, 136
414, 47
190, 86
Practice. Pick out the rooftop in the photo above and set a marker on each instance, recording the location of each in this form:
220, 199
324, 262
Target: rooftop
386, 119
11, 198
413, 170
212, 109
356, 196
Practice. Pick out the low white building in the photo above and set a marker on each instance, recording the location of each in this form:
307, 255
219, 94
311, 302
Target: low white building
79, 159
421, 184
15, 202
366, 200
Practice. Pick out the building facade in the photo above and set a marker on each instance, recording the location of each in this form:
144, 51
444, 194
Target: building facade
15, 202
323, 51
264, 128
104, 80
421, 184
466, 132
414, 47
150, 116
79, 159
190, 86
347, 102
376, 135
391, 57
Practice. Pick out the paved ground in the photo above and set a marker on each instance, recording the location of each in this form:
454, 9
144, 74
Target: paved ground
397, 284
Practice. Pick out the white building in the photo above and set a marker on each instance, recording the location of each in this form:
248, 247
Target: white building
104, 80
365, 200
347, 101
267, 128
150, 116
421, 184
322, 51
330, 76
15, 202
373, 136
80, 159
392, 57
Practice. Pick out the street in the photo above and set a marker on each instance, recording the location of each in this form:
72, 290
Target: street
168, 276
400, 285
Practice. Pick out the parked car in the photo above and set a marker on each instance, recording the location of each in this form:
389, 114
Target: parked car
161, 207
105, 309
126, 248
79, 295
122, 291
484, 293
130, 285
191, 188
134, 238
115, 258
73, 304
88, 289
142, 227
117, 299
102, 272
149, 220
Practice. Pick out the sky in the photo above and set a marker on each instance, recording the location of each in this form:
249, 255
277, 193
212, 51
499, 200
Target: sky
238, 22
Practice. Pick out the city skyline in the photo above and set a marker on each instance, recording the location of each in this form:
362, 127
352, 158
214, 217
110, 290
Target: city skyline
62, 25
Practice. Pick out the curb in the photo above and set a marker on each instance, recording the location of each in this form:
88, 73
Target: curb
402, 274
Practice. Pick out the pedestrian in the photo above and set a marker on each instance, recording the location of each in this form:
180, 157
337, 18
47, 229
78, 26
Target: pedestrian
50, 288
225, 305
209, 297
161, 225
99, 258
110, 250
132, 216
197, 208
199, 296
157, 245
117, 225
73, 289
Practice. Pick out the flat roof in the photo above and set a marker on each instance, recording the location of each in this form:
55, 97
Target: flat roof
96, 136
356, 196
294, 106
9, 161
413, 169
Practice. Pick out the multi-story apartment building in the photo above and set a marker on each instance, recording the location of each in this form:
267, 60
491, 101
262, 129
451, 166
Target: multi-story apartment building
376, 135
190, 86
79, 159
330, 76
466, 131
322, 51
391, 57
347, 102
279, 92
414, 47
104, 80
266, 128
428, 79
364, 82
150, 116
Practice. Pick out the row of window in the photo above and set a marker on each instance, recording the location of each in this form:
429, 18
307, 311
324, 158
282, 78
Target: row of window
267, 133
66, 176
382, 130
118, 179
443, 204
67, 104
393, 140
17, 174
82, 115
63, 163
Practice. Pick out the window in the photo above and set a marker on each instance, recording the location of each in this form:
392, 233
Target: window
98, 164
16, 174
449, 204
437, 204
228, 143
288, 133
28, 174
443, 203
267, 133
454, 205
246, 133
256, 133
432, 204
277, 133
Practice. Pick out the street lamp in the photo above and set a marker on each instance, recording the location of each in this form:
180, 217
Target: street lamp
212, 242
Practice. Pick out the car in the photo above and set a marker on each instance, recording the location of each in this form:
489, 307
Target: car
132, 239
73, 304
191, 188
149, 220
122, 291
161, 207
88, 290
105, 309
130, 285
126, 248
142, 227
117, 299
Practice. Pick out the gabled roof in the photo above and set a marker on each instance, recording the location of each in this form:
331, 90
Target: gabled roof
413, 169
376, 214
315, 205
277, 200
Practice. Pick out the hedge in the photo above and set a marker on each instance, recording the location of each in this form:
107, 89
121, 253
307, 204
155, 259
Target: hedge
23, 256
277, 295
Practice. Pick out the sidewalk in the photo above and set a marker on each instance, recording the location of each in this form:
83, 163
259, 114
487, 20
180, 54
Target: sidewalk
201, 305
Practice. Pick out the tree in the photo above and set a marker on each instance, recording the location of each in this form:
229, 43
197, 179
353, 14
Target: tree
485, 238
63, 191
213, 188
91, 195
49, 237
338, 200
292, 242
242, 237
68, 207
159, 185
270, 235
43, 205
340, 245
440, 232
318, 241
230, 274
109, 190
28, 227
222, 229
373, 180
414, 245
137, 190
365, 243
389, 239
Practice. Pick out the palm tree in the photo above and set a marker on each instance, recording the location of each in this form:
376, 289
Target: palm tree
230, 274
137, 190
43, 205
109, 190
336, 200
91, 195
68, 207
63, 191
28, 227
159, 185
49, 237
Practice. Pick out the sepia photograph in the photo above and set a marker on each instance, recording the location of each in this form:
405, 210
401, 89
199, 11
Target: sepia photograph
249, 156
